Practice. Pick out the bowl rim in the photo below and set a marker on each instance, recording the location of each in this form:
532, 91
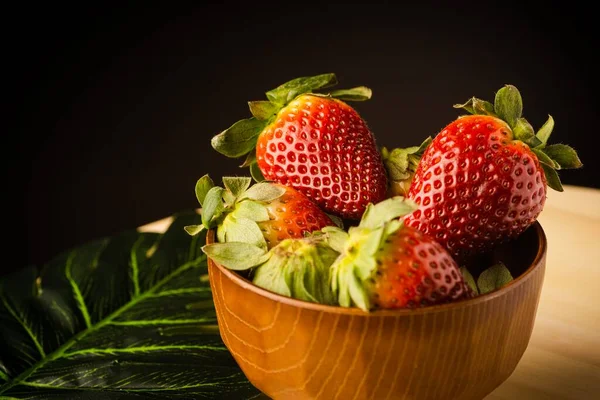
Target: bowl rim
355, 311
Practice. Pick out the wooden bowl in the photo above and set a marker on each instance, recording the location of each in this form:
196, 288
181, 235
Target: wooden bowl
291, 349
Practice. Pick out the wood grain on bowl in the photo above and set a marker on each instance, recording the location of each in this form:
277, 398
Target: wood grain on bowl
291, 349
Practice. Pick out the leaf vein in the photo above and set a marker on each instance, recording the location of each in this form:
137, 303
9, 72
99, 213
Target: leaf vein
161, 322
66, 317
133, 263
119, 389
25, 326
3, 376
181, 291
77, 292
21, 379
141, 349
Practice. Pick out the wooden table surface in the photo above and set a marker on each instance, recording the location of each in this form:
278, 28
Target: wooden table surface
562, 360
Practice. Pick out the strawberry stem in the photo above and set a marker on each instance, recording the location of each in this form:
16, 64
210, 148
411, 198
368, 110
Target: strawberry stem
508, 106
240, 138
299, 268
358, 248
401, 165
288, 91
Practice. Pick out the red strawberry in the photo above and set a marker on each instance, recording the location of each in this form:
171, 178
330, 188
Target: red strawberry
315, 143
292, 215
483, 178
384, 264
262, 215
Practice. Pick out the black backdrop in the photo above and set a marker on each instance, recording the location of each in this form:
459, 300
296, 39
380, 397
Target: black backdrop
113, 108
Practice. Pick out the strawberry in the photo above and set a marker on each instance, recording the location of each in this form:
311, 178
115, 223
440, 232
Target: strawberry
263, 214
297, 268
384, 264
483, 178
313, 142
292, 215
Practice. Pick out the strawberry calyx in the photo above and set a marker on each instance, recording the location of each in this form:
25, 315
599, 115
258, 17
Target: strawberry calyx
401, 164
297, 268
492, 278
235, 209
508, 106
358, 248
240, 139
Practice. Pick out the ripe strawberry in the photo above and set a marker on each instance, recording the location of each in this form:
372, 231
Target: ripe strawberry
483, 178
384, 264
292, 215
262, 215
313, 142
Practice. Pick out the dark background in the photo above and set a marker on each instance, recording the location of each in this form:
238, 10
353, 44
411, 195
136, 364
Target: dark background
111, 110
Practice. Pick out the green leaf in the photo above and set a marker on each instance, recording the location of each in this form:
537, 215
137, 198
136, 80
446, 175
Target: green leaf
392, 227
336, 220
357, 261
236, 255
396, 163
483, 107
256, 173
299, 268
552, 178
364, 258
523, 130
469, 280
336, 237
394, 207
533, 142
357, 293
251, 210
360, 93
126, 317
346, 285
250, 159
477, 106
423, 146
239, 139
263, 109
564, 155
544, 159
401, 164
467, 106
543, 134
508, 104
242, 230
276, 279
228, 198
213, 206
263, 191
286, 92
370, 243
493, 278
193, 230
203, 185
237, 184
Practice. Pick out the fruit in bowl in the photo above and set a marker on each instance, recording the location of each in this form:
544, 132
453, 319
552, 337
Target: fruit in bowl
483, 178
295, 349
346, 272
314, 142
